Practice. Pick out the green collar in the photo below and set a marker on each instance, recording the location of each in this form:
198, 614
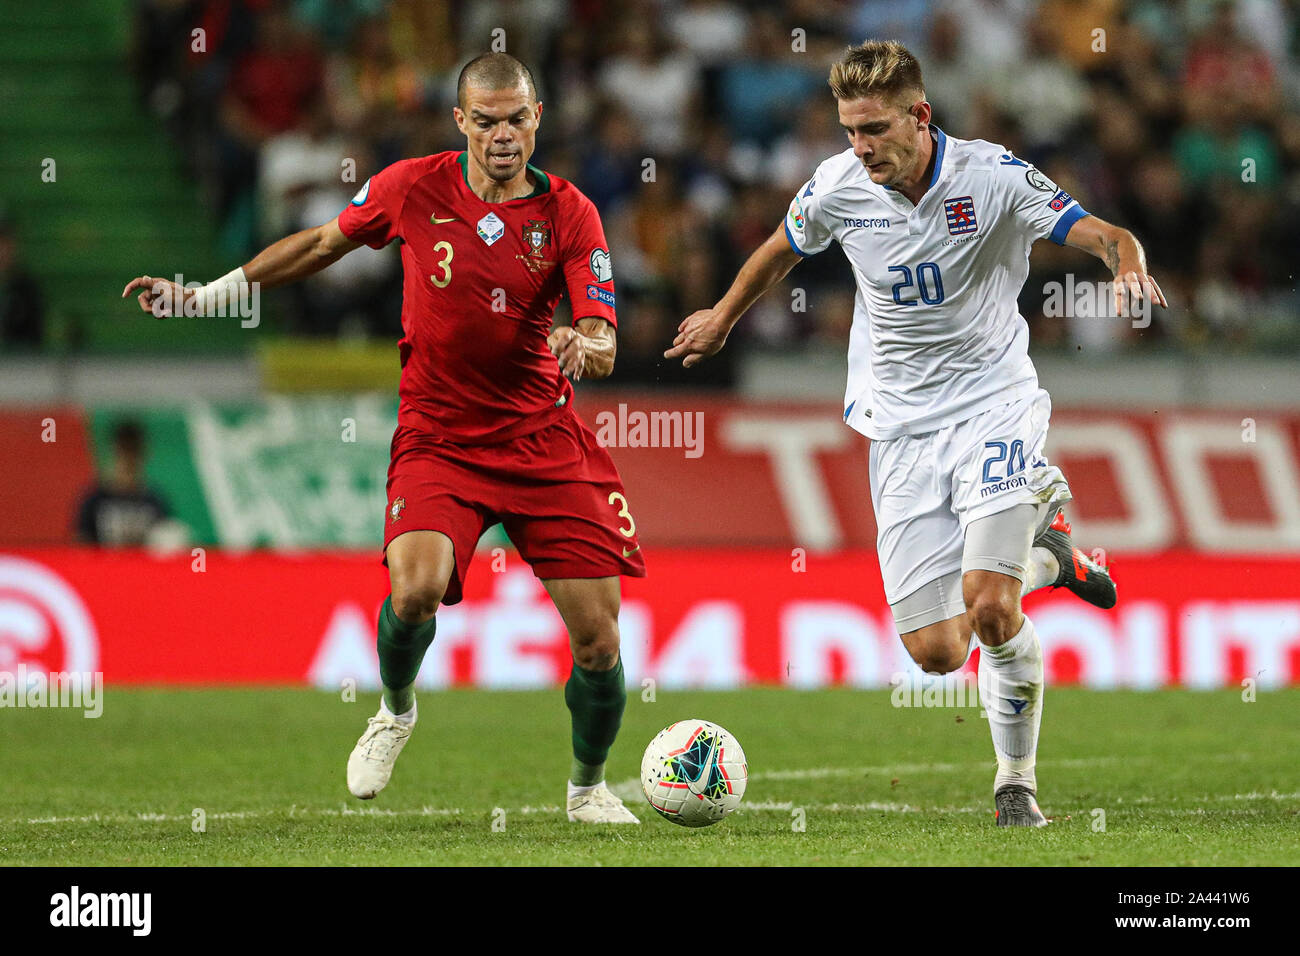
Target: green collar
543, 180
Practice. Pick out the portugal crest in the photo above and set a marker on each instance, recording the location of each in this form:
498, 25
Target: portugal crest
537, 233
395, 511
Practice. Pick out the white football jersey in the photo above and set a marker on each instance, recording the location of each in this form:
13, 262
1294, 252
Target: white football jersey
937, 337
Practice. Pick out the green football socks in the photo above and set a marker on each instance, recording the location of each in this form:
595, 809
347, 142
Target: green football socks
401, 649
596, 700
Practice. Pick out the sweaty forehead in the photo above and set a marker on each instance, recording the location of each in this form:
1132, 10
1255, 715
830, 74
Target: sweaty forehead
499, 102
870, 109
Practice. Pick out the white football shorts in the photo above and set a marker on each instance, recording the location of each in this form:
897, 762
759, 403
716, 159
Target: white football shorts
927, 489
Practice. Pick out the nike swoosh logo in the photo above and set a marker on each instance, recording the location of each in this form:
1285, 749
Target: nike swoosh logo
703, 774
628, 554
438, 222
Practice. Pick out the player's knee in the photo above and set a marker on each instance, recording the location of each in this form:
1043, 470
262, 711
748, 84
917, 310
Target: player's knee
595, 643
939, 657
994, 615
416, 599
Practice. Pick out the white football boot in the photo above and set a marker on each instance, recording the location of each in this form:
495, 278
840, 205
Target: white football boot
598, 805
371, 762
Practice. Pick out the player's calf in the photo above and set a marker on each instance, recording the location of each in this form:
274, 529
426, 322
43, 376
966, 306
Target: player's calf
996, 558
401, 645
595, 693
420, 565
420, 568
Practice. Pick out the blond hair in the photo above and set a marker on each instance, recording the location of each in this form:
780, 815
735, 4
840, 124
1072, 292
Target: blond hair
877, 67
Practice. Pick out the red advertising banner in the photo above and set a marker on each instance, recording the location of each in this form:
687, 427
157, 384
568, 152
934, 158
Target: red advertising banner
702, 618
707, 472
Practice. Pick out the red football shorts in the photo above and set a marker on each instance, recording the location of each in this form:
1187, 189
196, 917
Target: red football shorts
555, 491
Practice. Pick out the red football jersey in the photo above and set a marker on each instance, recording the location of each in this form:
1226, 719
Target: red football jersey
480, 284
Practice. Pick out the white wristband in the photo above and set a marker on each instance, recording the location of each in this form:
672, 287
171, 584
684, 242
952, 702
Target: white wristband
221, 295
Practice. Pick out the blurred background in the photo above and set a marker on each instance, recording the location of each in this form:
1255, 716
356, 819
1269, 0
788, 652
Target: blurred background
181, 136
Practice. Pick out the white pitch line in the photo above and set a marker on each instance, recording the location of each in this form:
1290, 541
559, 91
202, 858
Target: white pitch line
895, 770
292, 812
630, 790
758, 806
898, 769
627, 789
1211, 798
871, 806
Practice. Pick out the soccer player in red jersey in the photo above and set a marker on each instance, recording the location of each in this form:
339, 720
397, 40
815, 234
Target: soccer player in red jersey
485, 427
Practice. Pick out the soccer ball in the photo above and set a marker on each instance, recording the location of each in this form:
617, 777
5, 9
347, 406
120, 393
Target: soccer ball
694, 773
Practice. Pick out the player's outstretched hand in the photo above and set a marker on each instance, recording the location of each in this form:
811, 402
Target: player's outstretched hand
1132, 287
160, 298
700, 335
570, 348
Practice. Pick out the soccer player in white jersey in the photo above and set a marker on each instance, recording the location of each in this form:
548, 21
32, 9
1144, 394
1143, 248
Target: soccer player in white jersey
938, 231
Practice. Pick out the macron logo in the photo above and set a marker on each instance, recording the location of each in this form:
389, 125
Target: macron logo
103, 909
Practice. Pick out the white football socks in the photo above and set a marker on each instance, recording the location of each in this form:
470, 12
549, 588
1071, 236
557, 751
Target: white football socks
1043, 570
1011, 690
407, 718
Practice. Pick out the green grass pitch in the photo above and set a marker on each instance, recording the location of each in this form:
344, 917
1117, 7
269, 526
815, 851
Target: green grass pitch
1183, 778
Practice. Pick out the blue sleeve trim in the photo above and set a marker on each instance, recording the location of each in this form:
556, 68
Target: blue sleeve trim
1068, 219
793, 245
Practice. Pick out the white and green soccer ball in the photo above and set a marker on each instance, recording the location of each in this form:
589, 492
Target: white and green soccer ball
694, 773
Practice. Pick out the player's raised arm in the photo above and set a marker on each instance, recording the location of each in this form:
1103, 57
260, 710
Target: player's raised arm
1122, 253
292, 258
703, 333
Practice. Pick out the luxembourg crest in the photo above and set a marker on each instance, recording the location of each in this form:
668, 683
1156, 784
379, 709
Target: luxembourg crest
395, 511
960, 213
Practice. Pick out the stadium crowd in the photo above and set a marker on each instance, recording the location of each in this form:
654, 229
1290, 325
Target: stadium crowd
691, 123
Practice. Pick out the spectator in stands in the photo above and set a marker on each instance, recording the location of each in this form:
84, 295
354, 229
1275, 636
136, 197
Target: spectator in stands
657, 84
708, 30
760, 93
730, 100
373, 91
1046, 93
270, 89
301, 184
121, 511
22, 309
160, 45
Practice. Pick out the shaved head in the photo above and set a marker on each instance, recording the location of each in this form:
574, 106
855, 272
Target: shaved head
494, 71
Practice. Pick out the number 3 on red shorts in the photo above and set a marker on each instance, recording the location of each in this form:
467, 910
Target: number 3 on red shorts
623, 513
